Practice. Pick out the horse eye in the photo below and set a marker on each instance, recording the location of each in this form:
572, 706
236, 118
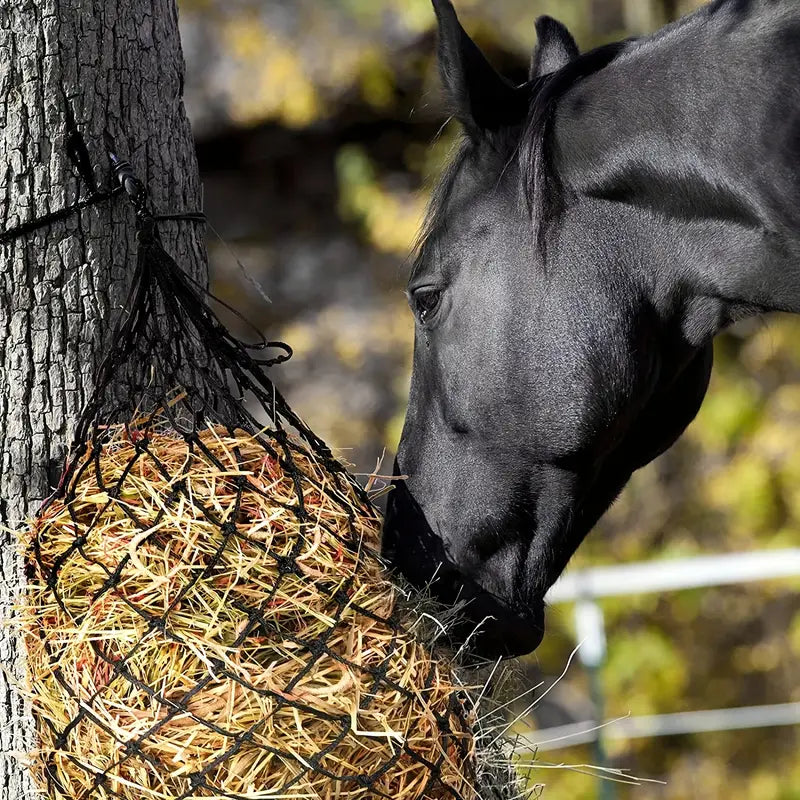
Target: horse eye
426, 301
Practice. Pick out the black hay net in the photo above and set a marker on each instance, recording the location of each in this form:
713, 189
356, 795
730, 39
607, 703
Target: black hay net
207, 614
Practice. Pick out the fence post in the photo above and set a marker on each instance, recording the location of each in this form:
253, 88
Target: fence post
590, 632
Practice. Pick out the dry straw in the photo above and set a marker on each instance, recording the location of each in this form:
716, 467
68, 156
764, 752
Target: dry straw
190, 635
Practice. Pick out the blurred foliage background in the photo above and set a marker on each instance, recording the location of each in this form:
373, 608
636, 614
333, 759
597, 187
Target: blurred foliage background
320, 129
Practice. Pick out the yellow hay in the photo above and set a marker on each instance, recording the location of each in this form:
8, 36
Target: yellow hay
157, 704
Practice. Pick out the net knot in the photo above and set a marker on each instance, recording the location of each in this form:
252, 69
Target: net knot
286, 565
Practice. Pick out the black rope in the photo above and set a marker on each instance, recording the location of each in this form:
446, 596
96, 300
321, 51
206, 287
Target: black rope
78, 151
62, 214
189, 216
127, 182
78, 154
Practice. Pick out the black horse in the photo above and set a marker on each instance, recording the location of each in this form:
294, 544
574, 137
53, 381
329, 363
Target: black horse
599, 225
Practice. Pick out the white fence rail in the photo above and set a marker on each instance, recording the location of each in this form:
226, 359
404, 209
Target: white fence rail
584, 586
644, 727
672, 574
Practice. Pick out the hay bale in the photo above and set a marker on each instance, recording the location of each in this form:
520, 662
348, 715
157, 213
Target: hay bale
189, 635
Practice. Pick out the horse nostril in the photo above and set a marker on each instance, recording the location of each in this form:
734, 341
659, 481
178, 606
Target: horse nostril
488, 544
490, 550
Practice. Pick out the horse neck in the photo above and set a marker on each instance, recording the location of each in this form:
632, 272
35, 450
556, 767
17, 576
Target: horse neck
693, 136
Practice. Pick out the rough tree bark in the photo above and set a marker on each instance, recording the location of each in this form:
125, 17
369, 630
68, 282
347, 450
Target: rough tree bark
118, 66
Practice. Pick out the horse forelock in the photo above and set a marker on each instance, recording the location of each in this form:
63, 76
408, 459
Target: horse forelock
434, 223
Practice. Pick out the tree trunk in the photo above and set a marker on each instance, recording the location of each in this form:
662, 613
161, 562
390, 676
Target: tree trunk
117, 66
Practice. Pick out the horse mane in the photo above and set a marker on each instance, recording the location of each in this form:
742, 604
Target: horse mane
542, 193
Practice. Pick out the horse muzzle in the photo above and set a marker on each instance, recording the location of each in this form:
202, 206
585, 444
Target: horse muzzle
488, 625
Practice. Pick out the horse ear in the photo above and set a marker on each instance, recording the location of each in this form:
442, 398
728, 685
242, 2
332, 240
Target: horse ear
482, 100
555, 49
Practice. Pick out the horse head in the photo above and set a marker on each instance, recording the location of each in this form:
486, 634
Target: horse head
591, 235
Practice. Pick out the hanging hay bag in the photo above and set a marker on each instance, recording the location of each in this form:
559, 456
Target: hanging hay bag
188, 635
206, 614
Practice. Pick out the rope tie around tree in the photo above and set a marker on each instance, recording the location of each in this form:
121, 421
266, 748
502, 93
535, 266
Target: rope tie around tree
127, 183
207, 614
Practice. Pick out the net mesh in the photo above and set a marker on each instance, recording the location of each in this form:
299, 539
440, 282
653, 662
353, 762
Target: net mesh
207, 615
